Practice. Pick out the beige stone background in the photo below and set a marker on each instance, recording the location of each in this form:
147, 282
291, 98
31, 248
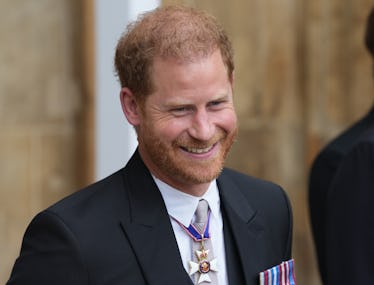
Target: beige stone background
302, 75
45, 120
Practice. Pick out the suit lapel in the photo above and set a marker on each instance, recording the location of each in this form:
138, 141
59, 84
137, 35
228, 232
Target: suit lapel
245, 228
150, 233
149, 230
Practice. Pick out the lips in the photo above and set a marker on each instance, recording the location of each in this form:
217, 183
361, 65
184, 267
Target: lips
198, 147
198, 150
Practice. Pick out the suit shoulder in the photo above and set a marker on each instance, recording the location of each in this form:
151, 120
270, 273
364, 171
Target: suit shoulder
241, 178
97, 196
267, 202
252, 185
338, 147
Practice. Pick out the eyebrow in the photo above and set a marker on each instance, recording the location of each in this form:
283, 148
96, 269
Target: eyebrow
182, 102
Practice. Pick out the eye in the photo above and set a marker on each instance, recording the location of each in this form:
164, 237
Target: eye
181, 110
216, 104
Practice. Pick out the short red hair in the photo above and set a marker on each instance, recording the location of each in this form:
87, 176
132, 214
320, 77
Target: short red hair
174, 31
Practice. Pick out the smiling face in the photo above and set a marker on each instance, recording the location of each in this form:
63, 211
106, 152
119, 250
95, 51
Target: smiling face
187, 126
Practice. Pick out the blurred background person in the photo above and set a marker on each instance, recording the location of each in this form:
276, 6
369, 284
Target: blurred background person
341, 184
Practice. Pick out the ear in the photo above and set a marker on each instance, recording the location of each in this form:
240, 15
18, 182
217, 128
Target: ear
130, 106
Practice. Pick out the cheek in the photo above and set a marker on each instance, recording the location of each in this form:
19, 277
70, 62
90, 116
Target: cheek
171, 130
227, 121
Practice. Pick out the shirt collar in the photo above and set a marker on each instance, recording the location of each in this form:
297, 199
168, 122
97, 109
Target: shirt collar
182, 206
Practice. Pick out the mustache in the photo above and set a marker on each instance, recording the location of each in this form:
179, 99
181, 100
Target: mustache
191, 142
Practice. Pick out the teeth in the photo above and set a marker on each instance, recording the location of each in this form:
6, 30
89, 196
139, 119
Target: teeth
198, 150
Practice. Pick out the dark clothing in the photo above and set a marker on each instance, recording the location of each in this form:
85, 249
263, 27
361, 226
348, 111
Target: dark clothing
117, 231
323, 173
350, 217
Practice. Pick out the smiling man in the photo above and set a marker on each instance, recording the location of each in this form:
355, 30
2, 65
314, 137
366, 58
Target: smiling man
173, 214
187, 124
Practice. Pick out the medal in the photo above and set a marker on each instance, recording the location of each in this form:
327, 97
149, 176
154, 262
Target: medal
204, 265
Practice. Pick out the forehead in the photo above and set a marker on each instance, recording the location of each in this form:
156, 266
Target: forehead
203, 79
186, 68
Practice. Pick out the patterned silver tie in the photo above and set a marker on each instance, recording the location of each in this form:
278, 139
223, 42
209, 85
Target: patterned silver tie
203, 266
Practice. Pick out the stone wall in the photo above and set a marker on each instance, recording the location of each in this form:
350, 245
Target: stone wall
41, 113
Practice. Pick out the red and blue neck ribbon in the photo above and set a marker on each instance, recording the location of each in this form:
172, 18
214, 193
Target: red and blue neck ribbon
194, 233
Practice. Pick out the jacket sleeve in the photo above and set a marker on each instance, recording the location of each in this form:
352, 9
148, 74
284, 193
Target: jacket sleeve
49, 255
350, 219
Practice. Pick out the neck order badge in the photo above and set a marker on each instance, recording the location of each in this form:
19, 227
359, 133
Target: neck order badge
199, 232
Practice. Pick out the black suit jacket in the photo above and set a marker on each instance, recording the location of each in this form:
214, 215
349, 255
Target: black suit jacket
350, 217
323, 172
118, 231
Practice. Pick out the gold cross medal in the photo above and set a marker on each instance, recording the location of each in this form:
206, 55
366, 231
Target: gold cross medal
204, 266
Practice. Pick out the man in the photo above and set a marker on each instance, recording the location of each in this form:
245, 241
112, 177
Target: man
175, 65
340, 187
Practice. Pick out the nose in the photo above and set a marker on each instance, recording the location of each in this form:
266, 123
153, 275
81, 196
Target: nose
202, 128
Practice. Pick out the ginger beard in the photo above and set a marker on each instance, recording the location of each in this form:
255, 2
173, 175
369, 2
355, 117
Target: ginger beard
170, 161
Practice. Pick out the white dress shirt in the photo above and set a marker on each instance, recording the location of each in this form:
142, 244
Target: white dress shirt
181, 207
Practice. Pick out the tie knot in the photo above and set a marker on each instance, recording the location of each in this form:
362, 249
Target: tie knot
201, 213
